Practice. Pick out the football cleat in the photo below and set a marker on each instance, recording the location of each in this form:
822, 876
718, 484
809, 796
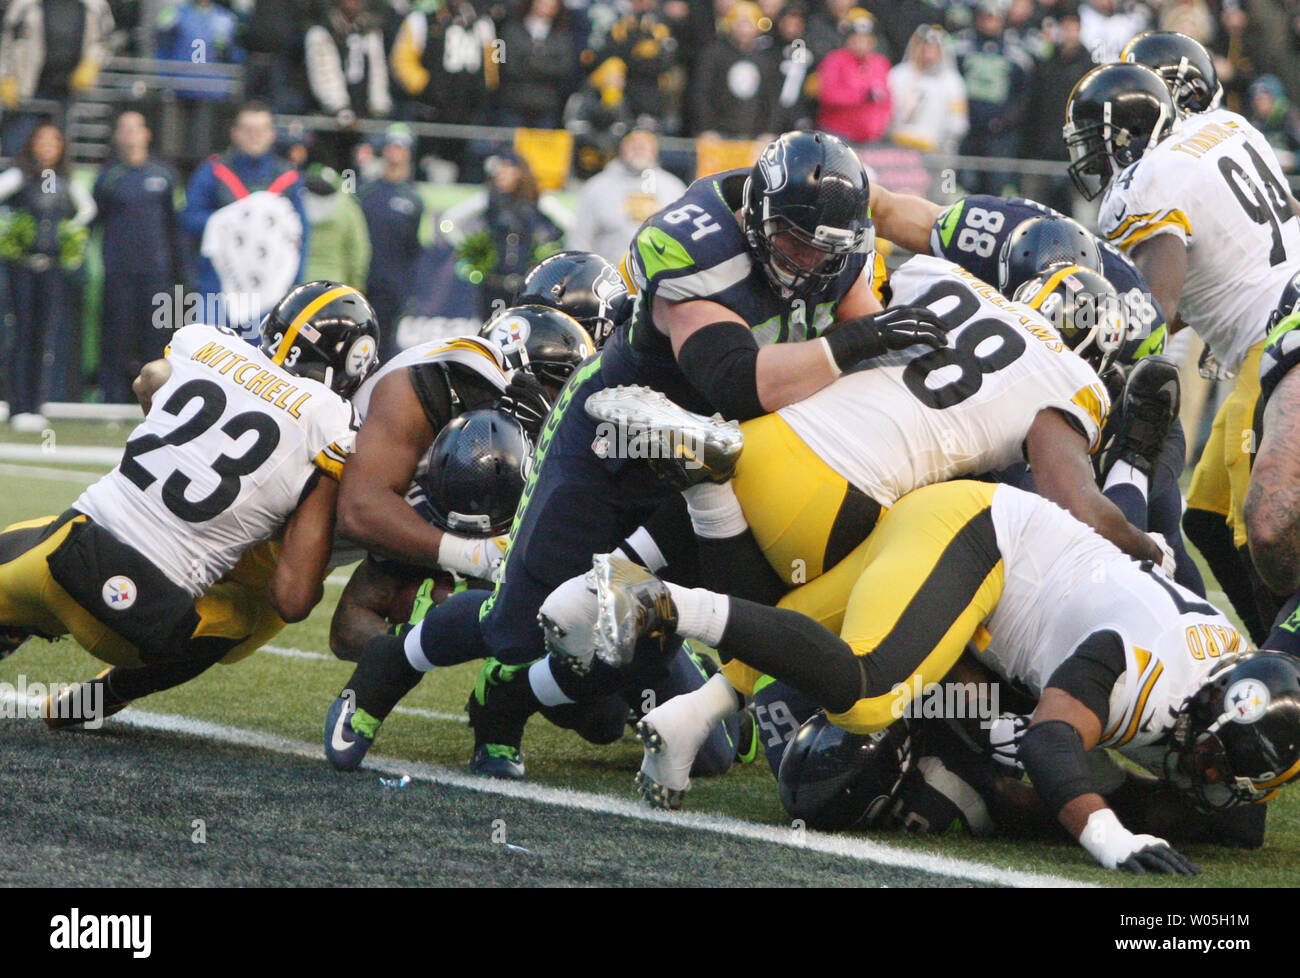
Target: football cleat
499, 708
681, 448
568, 618
1146, 411
11, 640
70, 707
748, 739
672, 734
349, 733
631, 604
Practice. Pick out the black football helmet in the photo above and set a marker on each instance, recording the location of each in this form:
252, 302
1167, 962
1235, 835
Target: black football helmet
1115, 114
1236, 740
326, 332
833, 779
807, 208
1185, 66
548, 343
1288, 304
1041, 243
1083, 307
477, 468
582, 284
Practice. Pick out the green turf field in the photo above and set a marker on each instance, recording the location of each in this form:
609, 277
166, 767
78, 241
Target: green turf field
117, 806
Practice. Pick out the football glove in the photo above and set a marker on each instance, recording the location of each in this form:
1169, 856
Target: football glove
1003, 737
1115, 847
479, 557
526, 400
894, 329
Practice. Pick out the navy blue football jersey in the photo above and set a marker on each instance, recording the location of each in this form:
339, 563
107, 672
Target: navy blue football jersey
971, 232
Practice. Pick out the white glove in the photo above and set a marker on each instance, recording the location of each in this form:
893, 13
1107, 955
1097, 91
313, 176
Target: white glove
1115, 847
568, 617
1168, 562
1004, 737
472, 556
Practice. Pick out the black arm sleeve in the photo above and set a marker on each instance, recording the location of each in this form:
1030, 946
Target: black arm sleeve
433, 392
721, 362
1053, 756
1091, 671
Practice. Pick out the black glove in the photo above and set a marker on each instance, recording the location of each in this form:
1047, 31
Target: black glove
1157, 860
526, 400
894, 329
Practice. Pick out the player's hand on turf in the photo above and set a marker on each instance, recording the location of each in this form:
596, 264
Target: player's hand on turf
526, 400
1157, 858
894, 329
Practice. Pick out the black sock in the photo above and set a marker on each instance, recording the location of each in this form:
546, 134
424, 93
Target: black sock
796, 650
383, 676
1210, 535
737, 566
123, 685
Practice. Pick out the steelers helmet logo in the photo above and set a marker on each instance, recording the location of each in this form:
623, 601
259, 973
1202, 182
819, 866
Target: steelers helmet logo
361, 354
119, 592
1246, 700
511, 333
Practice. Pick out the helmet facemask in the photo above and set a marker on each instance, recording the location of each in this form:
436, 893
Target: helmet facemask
799, 263
1099, 150
1190, 92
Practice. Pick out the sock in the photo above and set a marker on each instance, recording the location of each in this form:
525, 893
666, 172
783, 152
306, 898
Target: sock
414, 651
1131, 502
383, 676
641, 548
1123, 471
719, 698
1209, 533
544, 686
701, 614
715, 511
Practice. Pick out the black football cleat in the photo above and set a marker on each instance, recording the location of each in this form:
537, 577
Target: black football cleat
682, 448
88, 702
631, 604
1145, 413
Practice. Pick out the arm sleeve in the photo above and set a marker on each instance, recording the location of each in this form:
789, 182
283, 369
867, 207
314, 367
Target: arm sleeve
721, 362
1091, 672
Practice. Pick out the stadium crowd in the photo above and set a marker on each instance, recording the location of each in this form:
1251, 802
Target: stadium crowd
983, 79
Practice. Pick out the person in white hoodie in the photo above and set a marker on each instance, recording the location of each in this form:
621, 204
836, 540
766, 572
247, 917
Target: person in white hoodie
615, 201
928, 94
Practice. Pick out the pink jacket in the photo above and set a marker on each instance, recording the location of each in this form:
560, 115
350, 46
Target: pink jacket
854, 96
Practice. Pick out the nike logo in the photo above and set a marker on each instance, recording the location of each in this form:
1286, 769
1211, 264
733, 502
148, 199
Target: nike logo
336, 739
657, 246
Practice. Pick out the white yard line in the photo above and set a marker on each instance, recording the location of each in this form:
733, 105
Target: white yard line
53, 475
76, 454
849, 847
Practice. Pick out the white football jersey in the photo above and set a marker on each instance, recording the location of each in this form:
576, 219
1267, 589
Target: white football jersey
1062, 582
918, 416
1216, 185
222, 459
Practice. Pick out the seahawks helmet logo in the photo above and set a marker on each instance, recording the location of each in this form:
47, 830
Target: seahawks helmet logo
606, 287
773, 166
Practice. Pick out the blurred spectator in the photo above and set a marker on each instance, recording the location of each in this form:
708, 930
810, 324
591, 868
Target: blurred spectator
853, 85
997, 73
49, 49
347, 71
273, 38
197, 34
898, 20
1272, 113
44, 244
1107, 25
735, 83
538, 67
599, 116
393, 208
643, 41
1236, 49
1190, 17
248, 184
795, 101
615, 202
1067, 61
340, 243
929, 96
445, 59
502, 232
143, 256
1024, 28
827, 27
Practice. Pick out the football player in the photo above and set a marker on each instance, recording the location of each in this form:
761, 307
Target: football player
1008, 240
238, 444
1202, 208
736, 284
582, 284
1121, 658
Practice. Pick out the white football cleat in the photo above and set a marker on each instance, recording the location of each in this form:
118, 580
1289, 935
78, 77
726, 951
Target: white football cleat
672, 734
